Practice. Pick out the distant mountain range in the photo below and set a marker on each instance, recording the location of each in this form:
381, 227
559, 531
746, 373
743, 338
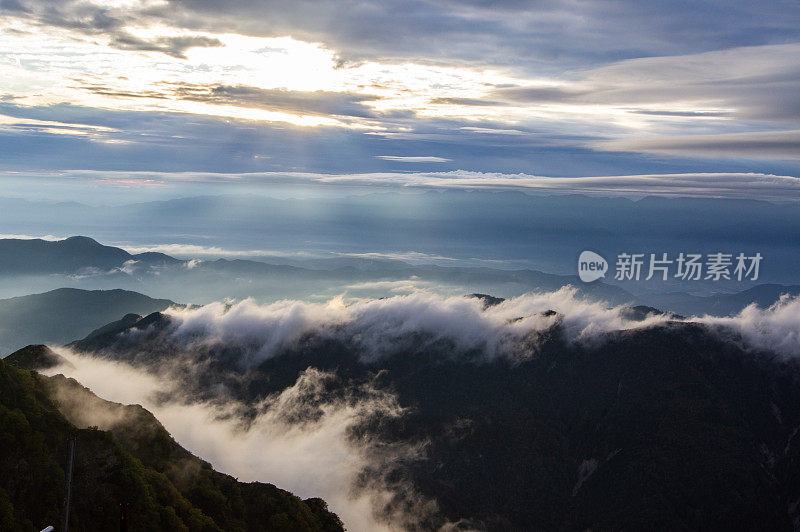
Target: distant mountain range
84, 263
664, 427
81, 262
61, 315
124, 462
68, 256
544, 232
763, 295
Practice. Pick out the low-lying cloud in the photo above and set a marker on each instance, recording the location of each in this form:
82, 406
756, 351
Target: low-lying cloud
306, 438
379, 328
775, 328
382, 327
740, 185
300, 439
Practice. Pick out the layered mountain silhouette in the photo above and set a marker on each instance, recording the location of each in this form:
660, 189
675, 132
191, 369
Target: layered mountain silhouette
668, 427
73, 254
59, 316
762, 295
84, 263
550, 229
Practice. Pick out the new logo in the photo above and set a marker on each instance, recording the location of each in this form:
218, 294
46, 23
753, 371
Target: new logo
591, 266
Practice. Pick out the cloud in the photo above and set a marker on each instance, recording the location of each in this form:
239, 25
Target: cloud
174, 46
380, 328
719, 185
773, 329
548, 30
412, 159
707, 185
451, 100
752, 82
302, 438
12, 124
49, 238
97, 19
383, 327
403, 286
195, 250
299, 439
408, 256
513, 87
759, 145
299, 102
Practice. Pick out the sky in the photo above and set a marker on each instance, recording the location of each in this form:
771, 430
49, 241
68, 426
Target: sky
151, 98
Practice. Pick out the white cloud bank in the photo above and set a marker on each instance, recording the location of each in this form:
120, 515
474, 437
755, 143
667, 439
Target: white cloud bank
412, 159
706, 185
775, 328
300, 437
299, 440
381, 327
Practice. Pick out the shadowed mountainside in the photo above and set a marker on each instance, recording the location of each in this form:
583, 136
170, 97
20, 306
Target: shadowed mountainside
122, 456
61, 315
26, 256
667, 427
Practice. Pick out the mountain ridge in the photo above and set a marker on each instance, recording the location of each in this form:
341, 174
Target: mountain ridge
131, 461
61, 315
671, 425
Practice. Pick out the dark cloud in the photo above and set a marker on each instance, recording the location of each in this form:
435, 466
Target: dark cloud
534, 95
300, 102
540, 36
710, 114
549, 34
760, 145
477, 102
174, 46
84, 17
96, 19
172, 142
322, 103
751, 84
13, 6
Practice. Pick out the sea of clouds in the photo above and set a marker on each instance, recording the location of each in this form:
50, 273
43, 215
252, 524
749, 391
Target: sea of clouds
302, 438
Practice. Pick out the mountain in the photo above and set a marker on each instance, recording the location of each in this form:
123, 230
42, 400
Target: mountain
73, 254
669, 426
84, 263
122, 456
61, 315
93, 265
35, 357
727, 304
60, 256
543, 232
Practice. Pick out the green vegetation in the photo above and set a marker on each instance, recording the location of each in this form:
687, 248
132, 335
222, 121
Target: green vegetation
35, 357
136, 463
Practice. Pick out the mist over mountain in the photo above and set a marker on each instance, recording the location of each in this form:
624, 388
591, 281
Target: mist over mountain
203, 281
724, 304
488, 228
425, 265
122, 457
547, 411
272, 278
